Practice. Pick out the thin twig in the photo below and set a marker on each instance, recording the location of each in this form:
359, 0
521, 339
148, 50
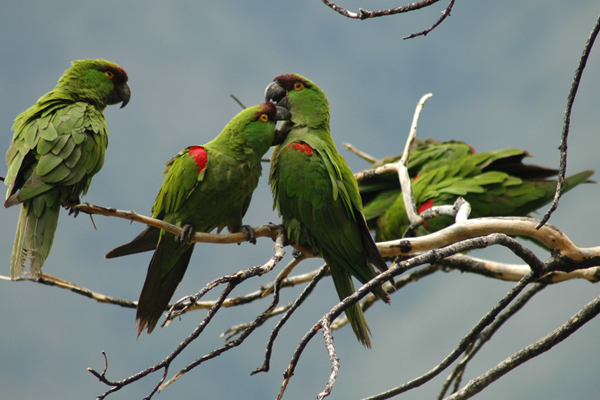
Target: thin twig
305, 293
567, 121
428, 257
486, 335
237, 101
445, 14
232, 282
229, 345
268, 230
50, 280
367, 157
335, 361
462, 345
583, 316
364, 14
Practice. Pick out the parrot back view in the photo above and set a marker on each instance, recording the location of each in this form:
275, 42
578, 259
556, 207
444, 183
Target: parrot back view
57, 147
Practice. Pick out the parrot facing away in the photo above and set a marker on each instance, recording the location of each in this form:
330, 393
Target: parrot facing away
57, 147
495, 184
317, 195
205, 187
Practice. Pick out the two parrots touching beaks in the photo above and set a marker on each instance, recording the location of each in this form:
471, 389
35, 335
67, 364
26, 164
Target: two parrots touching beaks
59, 145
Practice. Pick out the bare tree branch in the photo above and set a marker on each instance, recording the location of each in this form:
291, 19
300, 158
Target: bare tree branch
513, 272
445, 14
565, 133
232, 282
368, 158
567, 253
486, 335
430, 257
50, 280
335, 361
583, 316
364, 14
268, 230
305, 293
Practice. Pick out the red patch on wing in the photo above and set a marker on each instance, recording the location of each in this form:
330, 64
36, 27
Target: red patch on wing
303, 147
199, 155
425, 206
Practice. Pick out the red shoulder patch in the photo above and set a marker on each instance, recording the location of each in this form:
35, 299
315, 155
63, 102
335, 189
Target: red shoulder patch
303, 147
425, 206
199, 155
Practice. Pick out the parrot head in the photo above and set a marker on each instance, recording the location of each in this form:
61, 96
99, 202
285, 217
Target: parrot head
98, 82
252, 131
306, 102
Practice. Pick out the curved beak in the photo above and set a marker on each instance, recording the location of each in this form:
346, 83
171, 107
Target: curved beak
283, 114
120, 94
274, 92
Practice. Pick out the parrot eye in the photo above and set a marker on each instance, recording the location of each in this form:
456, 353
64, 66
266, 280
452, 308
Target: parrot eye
109, 74
298, 86
263, 118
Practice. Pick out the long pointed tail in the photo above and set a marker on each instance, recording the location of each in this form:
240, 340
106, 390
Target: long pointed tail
356, 317
35, 235
166, 270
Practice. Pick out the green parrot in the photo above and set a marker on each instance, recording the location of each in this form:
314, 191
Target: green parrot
57, 147
317, 195
495, 183
205, 187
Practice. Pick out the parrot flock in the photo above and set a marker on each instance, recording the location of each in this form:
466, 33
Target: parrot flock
59, 145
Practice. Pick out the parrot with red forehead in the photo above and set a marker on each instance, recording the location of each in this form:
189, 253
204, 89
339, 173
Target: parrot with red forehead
57, 147
317, 195
205, 188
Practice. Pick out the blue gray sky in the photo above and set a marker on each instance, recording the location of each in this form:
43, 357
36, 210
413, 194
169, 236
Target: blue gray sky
499, 73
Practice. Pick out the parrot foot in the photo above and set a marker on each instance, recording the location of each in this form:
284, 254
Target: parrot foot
69, 207
248, 231
297, 254
187, 233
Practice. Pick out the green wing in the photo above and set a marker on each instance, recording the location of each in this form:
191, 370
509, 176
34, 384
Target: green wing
494, 183
182, 178
59, 146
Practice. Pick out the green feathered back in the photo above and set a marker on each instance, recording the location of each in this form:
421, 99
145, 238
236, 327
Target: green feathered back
57, 147
494, 183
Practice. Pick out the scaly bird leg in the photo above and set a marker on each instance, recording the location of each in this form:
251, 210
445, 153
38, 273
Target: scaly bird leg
187, 233
248, 231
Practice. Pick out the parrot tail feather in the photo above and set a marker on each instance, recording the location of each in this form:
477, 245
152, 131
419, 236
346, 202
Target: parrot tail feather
159, 287
34, 238
357, 320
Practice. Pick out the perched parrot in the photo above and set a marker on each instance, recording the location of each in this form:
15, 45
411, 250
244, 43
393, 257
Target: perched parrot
57, 148
317, 195
205, 187
495, 183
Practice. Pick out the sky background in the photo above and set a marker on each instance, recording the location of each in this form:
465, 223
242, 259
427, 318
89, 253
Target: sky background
499, 72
